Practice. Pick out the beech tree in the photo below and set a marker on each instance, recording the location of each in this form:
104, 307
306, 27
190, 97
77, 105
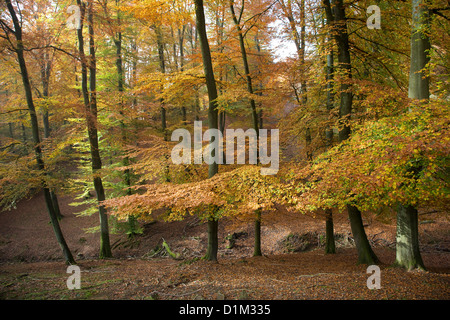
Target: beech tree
16, 31
211, 253
90, 104
336, 16
407, 247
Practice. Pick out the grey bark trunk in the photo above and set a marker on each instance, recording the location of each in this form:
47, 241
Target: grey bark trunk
407, 248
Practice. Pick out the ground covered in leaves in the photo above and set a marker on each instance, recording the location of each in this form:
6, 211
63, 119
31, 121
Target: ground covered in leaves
306, 275
294, 265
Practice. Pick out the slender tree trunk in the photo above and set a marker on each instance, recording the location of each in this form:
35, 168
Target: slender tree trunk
345, 65
162, 65
163, 111
330, 246
35, 130
257, 245
248, 77
121, 89
304, 89
365, 252
407, 248
308, 139
24, 133
11, 130
211, 253
45, 77
90, 102
181, 33
255, 118
336, 16
105, 247
287, 9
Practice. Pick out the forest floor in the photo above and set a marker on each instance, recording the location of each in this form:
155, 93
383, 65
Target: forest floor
294, 265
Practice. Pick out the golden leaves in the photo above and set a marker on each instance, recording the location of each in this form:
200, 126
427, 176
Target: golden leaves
395, 159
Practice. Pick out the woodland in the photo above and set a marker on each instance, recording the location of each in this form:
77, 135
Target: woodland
92, 91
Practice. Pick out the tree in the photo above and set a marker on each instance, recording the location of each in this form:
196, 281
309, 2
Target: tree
211, 253
255, 122
407, 247
336, 15
45, 59
330, 246
19, 49
90, 104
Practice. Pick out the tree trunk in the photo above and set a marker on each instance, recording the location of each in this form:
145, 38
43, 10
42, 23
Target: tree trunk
365, 252
336, 18
90, 103
308, 139
407, 248
255, 118
121, 89
211, 253
35, 129
419, 87
45, 77
181, 33
24, 131
162, 65
248, 77
11, 131
105, 247
330, 246
213, 240
257, 245
304, 89
345, 65
55, 203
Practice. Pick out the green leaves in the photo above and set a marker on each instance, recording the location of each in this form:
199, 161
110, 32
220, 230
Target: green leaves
395, 159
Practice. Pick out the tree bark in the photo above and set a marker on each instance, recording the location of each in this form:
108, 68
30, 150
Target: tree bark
257, 245
336, 17
121, 89
90, 102
211, 253
330, 246
11, 130
45, 78
407, 248
105, 247
365, 252
255, 118
162, 66
35, 130
248, 77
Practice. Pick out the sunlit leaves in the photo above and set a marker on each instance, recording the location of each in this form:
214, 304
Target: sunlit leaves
395, 159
